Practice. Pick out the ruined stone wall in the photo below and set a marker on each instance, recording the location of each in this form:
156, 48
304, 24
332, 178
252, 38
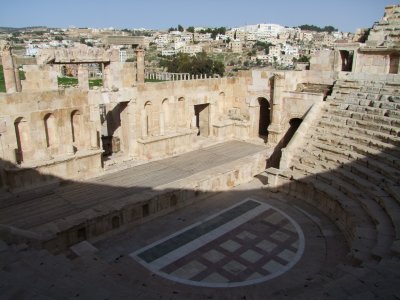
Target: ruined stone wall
372, 63
286, 101
323, 61
46, 131
60, 131
159, 119
39, 78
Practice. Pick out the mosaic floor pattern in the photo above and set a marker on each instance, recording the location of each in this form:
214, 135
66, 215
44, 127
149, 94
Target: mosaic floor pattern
247, 243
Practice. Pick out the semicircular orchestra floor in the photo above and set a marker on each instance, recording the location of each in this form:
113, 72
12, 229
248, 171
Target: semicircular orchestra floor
247, 243
244, 242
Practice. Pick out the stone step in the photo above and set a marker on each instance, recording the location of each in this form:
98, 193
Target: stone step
367, 115
388, 129
367, 110
360, 140
385, 105
326, 123
360, 154
391, 163
332, 161
356, 225
360, 190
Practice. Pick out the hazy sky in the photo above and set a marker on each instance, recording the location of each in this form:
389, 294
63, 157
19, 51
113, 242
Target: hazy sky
346, 15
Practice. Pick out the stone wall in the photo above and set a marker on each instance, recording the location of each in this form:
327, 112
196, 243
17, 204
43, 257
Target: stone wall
50, 129
46, 131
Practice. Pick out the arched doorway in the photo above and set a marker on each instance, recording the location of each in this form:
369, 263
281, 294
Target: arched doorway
265, 117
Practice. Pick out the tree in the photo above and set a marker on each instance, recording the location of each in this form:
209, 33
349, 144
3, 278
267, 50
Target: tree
328, 29
302, 58
259, 46
58, 38
180, 28
195, 65
190, 29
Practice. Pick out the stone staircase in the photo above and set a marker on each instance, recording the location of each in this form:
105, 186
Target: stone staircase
349, 168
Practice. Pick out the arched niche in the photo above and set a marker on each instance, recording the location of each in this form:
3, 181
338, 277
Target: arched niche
181, 113
166, 111
50, 127
23, 138
77, 129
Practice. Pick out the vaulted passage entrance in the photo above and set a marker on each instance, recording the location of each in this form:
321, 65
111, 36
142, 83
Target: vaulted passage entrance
202, 113
265, 118
275, 158
347, 60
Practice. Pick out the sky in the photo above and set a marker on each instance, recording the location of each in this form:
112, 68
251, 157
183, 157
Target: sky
346, 15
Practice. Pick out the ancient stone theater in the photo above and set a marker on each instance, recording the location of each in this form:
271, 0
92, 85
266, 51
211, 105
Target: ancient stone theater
267, 185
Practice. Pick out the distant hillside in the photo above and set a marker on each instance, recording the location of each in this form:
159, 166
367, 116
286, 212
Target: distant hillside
31, 28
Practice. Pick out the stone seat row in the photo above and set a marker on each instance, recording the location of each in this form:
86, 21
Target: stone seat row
338, 203
373, 115
385, 105
345, 144
391, 88
368, 174
363, 164
388, 129
349, 185
373, 223
356, 172
381, 96
363, 141
343, 128
373, 110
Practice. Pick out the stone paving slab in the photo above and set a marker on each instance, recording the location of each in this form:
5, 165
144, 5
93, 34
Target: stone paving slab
76, 197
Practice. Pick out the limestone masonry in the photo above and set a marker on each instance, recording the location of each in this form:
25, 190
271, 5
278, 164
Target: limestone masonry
80, 164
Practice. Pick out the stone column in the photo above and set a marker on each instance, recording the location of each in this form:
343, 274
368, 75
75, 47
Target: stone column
139, 65
8, 69
95, 126
254, 114
193, 123
275, 128
162, 123
144, 123
83, 76
17, 80
106, 75
131, 114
